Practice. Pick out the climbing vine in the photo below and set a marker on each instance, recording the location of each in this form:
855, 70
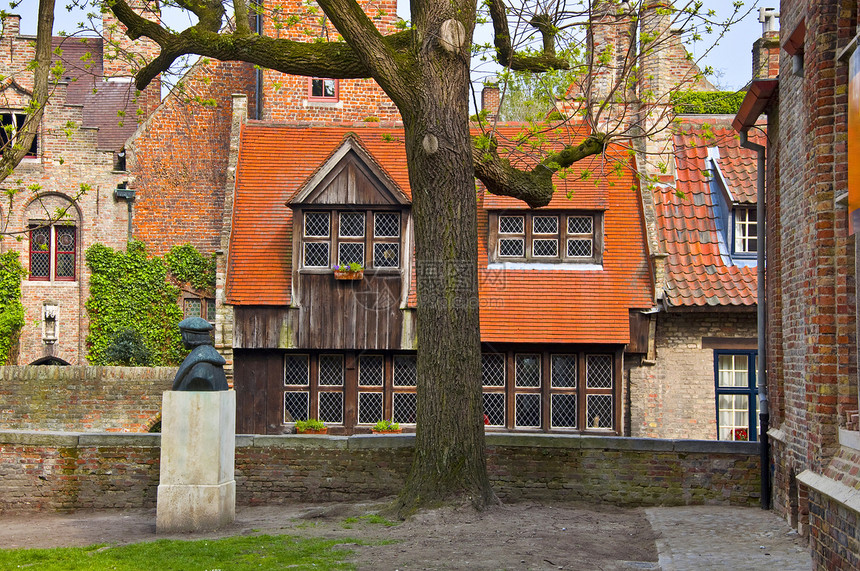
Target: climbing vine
188, 265
129, 291
11, 310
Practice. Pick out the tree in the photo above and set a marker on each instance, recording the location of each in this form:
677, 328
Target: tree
426, 70
17, 140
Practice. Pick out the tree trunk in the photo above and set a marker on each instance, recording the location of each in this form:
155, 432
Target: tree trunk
450, 465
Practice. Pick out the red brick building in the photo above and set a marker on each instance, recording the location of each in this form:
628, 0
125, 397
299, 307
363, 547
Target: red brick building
90, 114
811, 285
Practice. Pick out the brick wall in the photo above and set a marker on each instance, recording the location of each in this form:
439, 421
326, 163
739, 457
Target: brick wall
179, 159
286, 96
812, 345
63, 471
675, 398
82, 399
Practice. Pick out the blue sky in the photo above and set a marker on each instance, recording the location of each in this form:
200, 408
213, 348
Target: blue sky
732, 58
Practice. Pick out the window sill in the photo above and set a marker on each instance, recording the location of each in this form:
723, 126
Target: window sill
320, 103
849, 438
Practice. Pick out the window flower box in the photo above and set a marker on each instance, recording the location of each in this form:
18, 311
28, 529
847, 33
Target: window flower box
348, 275
311, 426
386, 427
351, 271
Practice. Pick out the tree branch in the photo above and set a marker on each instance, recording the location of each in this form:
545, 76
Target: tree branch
534, 187
328, 59
545, 61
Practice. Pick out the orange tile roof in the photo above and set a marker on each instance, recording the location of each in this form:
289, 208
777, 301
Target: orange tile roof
532, 306
696, 271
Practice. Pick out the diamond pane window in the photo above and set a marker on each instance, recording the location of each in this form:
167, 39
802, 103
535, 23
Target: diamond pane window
599, 411
577, 248
543, 248
370, 372
733, 371
511, 224
65, 269
210, 310
296, 405
40, 255
580, 225
563, 411
511, 247
331, 407
598, 371
528, 410
316, 254
386, 225
493, 370
564, 371
193, 307
350, 253
527, 370
369, 408
545, 225
405, 374
296, 370
331, 370
317, 225
351, 225
386, 255
494, 408
403, 408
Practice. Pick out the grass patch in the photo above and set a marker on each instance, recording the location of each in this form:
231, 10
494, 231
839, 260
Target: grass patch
369, 518
232, 553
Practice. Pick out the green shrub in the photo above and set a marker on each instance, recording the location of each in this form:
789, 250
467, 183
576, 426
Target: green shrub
128, 348
707, 102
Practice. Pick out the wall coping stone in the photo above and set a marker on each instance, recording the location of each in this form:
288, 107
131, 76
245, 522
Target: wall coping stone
778, 434
717, 446
142, 439
849, 438
377, 441
845, 495
300, 441
39, 438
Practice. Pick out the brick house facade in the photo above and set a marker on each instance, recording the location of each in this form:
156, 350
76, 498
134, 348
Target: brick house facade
78, 143
811, 293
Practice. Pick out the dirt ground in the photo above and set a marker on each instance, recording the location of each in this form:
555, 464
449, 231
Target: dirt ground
515, 536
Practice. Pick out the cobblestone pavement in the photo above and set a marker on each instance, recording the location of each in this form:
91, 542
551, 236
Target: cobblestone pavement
704, 538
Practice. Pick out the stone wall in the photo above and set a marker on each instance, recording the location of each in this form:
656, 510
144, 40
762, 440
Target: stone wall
82, 399
66, 471
675, 397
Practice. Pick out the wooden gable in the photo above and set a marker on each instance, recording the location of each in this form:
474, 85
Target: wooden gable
350, 176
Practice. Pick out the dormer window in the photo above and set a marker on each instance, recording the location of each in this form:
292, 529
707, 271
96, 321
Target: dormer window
546, 237
745, 231
322, 89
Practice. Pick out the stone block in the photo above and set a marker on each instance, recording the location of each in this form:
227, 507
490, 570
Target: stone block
197, 489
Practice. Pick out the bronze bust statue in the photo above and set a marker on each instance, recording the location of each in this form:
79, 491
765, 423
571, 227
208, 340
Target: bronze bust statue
203, 368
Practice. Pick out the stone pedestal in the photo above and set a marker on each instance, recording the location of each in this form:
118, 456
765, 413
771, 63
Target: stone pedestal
197, 490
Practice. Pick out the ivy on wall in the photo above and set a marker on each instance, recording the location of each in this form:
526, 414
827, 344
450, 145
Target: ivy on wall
11, 309
707, 102
130, 292
188, 265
